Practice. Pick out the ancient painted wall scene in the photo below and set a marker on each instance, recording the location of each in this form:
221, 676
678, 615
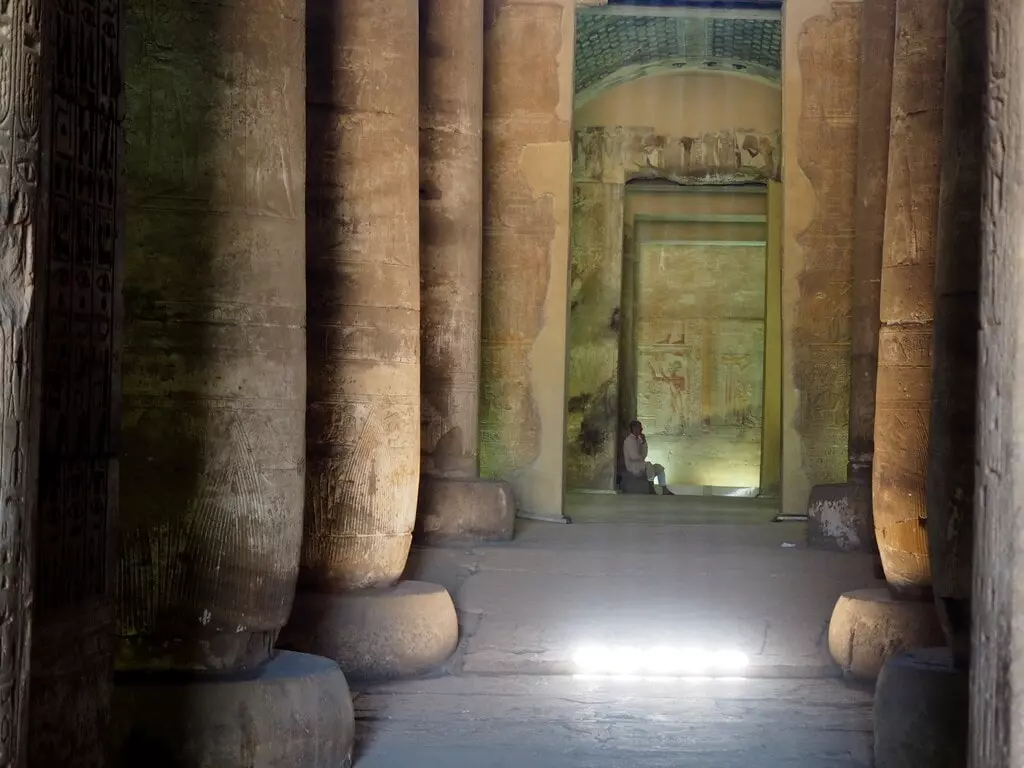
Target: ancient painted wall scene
667, 302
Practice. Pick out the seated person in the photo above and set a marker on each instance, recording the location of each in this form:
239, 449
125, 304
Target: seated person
634, 454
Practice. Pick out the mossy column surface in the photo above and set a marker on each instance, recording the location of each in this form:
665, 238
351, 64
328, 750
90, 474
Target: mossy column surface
528, 64
363, 418
214, 360
903, 388
454, 505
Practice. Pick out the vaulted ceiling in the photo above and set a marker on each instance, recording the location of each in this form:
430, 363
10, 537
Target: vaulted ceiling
619, 42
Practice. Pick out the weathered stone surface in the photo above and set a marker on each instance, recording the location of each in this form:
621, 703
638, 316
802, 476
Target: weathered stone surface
362, 272
22, 279
377, 634
832, 521
451, 234
997, 631
528, 46
877, 42
903, 393
870, 626
295, 712
700, 311
820, 87
920, 711
72, 653
616, 154
212, 454
465, 512
951, 466
595, 321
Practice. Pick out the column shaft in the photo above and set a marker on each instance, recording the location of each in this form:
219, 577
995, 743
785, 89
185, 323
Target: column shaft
950, 483
451, 231
527, 199
997, 709
362, 268
20, 336
908, 269
214, 362
878, 30
72, 656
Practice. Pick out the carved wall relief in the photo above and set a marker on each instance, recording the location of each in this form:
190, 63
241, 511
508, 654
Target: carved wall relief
20, 288
618, 154
72, 652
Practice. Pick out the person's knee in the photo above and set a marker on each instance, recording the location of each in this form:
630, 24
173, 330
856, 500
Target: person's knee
658, 468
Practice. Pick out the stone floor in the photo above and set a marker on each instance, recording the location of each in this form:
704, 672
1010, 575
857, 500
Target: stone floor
512, 694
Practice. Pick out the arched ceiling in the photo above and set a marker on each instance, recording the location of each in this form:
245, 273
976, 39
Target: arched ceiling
617, 43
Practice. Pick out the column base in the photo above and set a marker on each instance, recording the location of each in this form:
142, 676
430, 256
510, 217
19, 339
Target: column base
376, 634
837, 519
921, 711
454, 512
869, 626
295, 712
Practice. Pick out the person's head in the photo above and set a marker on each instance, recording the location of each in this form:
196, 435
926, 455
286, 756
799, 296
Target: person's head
635, 427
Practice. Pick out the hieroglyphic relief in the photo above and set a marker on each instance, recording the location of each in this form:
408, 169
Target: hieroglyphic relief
618, 154
700, 371
20, 103
828, 51
80, 416
214, 359
594, 325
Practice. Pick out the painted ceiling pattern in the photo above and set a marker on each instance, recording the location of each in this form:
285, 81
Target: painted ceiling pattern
614, 48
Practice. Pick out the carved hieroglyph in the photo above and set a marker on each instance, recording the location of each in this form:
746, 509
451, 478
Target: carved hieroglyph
20, 46
362, 268
595, 292
617, 154
214, 358
903, 394
700, 360
820, 97
451, 232
952, 436
527, 158
72, 652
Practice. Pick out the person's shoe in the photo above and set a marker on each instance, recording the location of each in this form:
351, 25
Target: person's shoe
665, 491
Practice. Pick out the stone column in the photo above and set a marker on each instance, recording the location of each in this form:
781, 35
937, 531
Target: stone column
878, 31
821, 65
528, 52
363, 420
20, 331
869, 626
212, 452
921, 701
72, 659
455, 506
903, 397
996, 707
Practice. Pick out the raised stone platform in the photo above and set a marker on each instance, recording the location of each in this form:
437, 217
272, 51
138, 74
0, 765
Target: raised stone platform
869, 626
376, 634
296, 712
456, 512
921, 711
